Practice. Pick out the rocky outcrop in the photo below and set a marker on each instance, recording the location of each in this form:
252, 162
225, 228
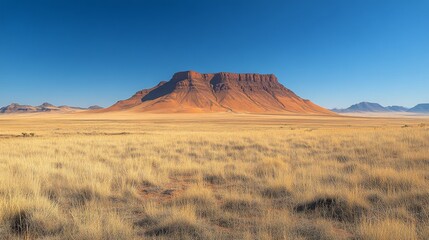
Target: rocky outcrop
191, 91
15, 107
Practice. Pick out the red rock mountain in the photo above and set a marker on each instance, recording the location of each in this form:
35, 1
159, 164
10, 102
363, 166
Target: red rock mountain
219, 92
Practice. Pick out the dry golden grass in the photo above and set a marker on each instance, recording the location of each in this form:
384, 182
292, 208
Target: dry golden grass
213, 176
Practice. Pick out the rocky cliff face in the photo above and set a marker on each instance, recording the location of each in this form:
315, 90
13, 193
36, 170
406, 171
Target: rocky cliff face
191, 91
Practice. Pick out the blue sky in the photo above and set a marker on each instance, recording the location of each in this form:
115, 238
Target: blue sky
333, 52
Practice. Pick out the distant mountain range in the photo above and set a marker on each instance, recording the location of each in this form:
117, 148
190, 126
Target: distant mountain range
45, 107
420, 108
377, 108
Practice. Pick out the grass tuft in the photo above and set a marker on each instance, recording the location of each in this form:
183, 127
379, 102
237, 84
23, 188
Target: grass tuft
332, 207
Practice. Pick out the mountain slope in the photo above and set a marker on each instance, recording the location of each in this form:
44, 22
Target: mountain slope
420, 108
191, 91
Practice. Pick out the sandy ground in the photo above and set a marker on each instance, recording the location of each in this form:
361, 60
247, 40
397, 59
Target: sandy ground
316, 121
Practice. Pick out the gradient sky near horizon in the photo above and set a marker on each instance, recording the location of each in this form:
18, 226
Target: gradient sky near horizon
333, 52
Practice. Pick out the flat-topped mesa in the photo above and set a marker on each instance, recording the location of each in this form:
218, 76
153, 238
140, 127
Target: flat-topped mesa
248, 77
223, 81
255, 77
191, 91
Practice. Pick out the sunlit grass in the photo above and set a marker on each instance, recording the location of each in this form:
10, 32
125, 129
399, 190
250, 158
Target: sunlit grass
213, 179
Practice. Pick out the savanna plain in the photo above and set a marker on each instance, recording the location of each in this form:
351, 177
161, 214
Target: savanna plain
213, 176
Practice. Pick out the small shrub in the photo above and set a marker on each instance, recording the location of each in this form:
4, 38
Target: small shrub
332, 207
21, 222
24, 134
36, 223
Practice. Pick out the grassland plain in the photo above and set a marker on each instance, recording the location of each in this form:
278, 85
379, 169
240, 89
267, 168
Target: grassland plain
213, 176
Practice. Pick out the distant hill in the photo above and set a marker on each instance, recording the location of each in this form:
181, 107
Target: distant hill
420, 108
44, 107
94, 107
15, 107
363, 107
191, 91
368, 107
397, 108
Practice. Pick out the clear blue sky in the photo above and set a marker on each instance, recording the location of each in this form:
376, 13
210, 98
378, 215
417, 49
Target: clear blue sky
333, 52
